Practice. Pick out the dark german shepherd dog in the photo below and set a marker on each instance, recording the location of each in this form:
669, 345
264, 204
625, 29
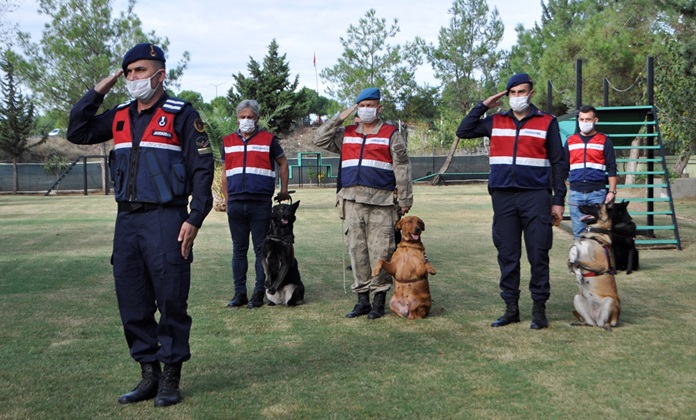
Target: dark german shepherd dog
623, 233
283, 283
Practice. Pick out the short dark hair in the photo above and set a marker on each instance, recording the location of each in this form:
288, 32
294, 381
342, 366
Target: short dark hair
588, 108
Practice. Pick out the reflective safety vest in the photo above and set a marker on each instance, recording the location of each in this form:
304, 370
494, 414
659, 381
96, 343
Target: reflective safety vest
248, 164
587, 163
152, 170
518, 158
366, 159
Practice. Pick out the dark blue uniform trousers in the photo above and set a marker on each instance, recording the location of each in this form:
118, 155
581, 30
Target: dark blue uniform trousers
516, 213
151, 274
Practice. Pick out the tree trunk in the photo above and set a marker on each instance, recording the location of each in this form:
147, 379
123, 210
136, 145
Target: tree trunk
682, 161
15, 176
439, 179
631, 166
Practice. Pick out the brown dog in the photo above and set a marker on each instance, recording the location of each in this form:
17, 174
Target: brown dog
410, 268
590, 258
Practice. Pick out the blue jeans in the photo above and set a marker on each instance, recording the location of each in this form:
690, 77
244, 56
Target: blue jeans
579, 198
247, 217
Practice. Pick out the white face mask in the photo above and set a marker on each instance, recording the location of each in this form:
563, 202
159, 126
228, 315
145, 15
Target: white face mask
519, 103
247, 125
586, 127
367, 115
141, 89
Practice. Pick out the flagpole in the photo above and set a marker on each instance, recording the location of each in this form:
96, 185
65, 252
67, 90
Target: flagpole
316, 75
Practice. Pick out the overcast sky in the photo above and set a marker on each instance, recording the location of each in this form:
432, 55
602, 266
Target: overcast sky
221, 35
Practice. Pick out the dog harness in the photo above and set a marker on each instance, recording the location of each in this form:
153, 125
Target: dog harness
607, 254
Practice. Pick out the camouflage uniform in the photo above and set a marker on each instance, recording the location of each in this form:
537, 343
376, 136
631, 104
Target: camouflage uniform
369, 213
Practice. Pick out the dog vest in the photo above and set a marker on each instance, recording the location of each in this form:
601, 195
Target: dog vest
248, 164
518, 157
366, 159
151, 170
587, 163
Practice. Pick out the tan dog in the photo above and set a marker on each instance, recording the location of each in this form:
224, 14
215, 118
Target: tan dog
590, 258
410, 267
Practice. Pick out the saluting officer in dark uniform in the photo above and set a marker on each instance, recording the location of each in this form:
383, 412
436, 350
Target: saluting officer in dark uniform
161, 157
527, 185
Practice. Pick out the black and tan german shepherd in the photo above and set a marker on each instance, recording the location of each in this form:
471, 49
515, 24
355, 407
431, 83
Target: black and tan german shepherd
590, 259
283, 283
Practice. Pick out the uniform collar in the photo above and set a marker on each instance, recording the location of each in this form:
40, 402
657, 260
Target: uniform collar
375, 129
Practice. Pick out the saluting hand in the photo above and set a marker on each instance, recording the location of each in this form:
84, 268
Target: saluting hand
346, 112
494, 101
107, 83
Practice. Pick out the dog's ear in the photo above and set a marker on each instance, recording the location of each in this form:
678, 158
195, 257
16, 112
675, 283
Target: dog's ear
295, 205
421, 223
398, 224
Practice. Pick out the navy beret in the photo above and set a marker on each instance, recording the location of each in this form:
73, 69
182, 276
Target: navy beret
144, 51
518, 79
369, 93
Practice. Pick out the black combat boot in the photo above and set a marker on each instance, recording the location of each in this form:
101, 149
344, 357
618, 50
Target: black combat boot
239, 299
256, 300
377, 306
147, 388
539, 320
512, 314
168, 392
362, 307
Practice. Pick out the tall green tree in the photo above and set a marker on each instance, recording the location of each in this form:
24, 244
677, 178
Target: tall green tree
83, 43
17, 118
675, 78
466, 61
613, 40
270, 85
368, 59
468, 55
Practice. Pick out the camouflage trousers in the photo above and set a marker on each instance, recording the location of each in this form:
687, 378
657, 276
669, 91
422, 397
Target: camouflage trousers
369, 234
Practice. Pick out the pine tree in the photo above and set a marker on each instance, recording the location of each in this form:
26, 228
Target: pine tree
17, 118
271, 87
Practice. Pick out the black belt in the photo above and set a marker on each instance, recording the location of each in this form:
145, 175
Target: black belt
134, 207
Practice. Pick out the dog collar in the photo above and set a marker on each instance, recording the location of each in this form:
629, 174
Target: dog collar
282, 238
597, 230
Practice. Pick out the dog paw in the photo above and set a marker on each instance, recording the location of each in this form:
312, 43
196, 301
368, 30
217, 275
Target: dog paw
431, 269
572, 255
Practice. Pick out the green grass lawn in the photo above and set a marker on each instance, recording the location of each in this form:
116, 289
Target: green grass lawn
63, 354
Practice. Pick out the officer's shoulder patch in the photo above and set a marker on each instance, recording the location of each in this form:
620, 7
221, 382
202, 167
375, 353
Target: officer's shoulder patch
199, 126
203, 145
174, 105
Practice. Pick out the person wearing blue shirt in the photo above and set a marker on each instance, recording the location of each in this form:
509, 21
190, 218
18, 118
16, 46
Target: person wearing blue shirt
592, 161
